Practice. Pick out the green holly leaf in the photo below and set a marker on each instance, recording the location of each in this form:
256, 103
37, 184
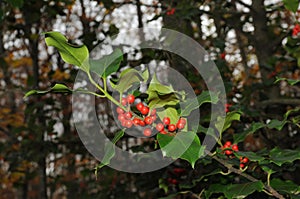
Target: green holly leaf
238, 137
110, 150
160, 95
230, 117
156, 86
128, 78
291, 5
16, 3
71, 54
57, 88
170, 112
291, 82
287, 186
108, 64
280, 156
194, 103
276, 124
268, 169
208, 131
185, 145
235, 190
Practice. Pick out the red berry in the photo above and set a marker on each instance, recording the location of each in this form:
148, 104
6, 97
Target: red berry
128, 115
145, 110
182, 120
142, 123
153, 112
121, 117
172, 127
153, 117
174, 181
124, 101
235, 147
245, 160
178, 170
227, 144
296, 30
120, 110
136, 121
180, 125
130, 99
242, 165
139, 106
222, 55
228, 152
128, 123
227, 106
171, 12
123, 123
147, 132
163, 132
166, 120
160, 127
148, 120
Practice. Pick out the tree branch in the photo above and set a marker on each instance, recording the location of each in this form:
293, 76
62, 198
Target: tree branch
280, 101
245, 175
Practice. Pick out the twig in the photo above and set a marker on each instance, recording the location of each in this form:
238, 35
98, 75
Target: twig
249, 177
280, 101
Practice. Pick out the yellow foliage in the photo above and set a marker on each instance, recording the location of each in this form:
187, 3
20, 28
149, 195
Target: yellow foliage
16, 176
60, 75
16, 63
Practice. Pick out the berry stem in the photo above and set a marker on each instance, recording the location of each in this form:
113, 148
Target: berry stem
104, 91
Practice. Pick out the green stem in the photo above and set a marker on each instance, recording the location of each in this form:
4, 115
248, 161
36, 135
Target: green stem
104, 91
89, 92
104, 84
268, 178
106, 94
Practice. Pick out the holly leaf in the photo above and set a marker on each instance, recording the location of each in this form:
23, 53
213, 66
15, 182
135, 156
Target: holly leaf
230, 117
160, 95
71, 54
110, 150
194, 103
170, 112
108, 64
16, 3
276, 124
280, 156
235, 190
285, 186
185, 145
57, 88
291, 5
156, 86
128, 78
238, 137
291, 82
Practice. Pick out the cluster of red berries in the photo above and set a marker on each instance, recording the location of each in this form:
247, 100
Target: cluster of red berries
175, 175
228, 148
165, 126
296, 30
145, 117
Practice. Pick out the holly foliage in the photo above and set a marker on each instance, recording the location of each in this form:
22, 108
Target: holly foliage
255, 46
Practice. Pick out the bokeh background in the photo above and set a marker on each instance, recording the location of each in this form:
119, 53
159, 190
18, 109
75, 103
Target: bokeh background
41, 155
